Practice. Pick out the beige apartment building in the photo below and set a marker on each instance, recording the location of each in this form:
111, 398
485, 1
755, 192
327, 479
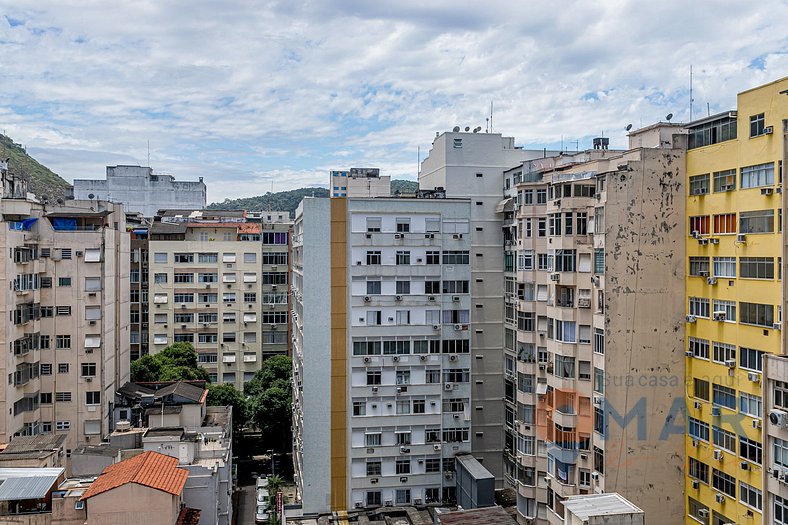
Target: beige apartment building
593, 345
65, 300
207, 287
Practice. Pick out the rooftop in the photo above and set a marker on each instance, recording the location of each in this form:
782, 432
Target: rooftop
486, 516
149, 469
474, 468
27, 483
97, 450
38, 443
599, 505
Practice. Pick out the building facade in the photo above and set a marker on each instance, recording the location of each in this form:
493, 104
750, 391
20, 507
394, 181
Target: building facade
66, 289
734, 301
140, 190
382, 353
206, 288
359, 182
471, 165
593, 351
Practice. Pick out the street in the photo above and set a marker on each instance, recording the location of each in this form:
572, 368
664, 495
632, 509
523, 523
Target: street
246, 503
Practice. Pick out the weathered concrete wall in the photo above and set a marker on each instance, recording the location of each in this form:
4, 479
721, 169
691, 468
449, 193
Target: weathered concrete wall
644, 363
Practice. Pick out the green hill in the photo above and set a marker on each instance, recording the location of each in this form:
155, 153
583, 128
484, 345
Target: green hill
289, 200
41, 180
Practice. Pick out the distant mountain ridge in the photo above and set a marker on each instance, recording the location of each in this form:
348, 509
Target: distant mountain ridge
41, 180
289, 200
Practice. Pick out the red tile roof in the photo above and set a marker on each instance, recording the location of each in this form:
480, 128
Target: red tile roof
150, 469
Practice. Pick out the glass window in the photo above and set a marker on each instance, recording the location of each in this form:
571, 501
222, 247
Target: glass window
758, 175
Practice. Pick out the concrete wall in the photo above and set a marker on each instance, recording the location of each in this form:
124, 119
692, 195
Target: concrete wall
132, 504
312, 354
644, 340
141, 191
84, 465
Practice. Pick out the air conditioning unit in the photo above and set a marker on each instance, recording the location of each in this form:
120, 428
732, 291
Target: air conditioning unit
741, 238
373, 480
703, 513
717, 454
542, 366
714, 240
768, 130
79, 253
367, 359
389, 503
719, 497
695, 484
703, 242
756, 423
374, 390
689, 353
695, 234
370, 450
404, 450
403, 479
456, 416
358, 263
698, 404
555, 277
777, 326
359, 504
755, 377
597, 400
422, 357
458, 327
450, 386
457, 236
436, 447
88, 379
730, 363
398, 298
595, 476
778, 189
435, 327
711, 280
778, 418
417, 501
745, 465
691, 318
718, 316
395, 359
767, 191
398, 236
452, 357
431, 298
455, 298
699, 191
93, 323
429, 235
716, 411
369, 236
367, 298
583, 456
695, 442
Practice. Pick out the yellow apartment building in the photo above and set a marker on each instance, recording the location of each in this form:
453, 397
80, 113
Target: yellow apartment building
734, 300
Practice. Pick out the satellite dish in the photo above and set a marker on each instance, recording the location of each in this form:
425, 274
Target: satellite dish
467, 129
669, 116
629, 126
477, 129
61, 201
45, 198
90, 196
456, 129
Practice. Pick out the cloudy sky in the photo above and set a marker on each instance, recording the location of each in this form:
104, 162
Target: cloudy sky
250, 93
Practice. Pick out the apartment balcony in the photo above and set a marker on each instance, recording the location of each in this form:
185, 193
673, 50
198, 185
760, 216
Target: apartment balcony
564, 419
398, 270
396, 481
405, 239
401, 451
562, 383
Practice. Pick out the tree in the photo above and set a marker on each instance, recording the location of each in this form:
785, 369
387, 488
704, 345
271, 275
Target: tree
269, 402
177, 362
224, 395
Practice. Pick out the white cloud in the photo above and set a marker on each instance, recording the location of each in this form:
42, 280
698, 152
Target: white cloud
243, 93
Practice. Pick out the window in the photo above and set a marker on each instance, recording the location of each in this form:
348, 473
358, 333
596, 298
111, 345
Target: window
250, 257
723, 482
750, 359
723, 396
699, 266
403, 287
161, 258
63, 425
757, 123
403, 406
699, 184
251, 297
182, 257
698, 470
751, 405
564, 366
93, 398
433, 376
725, 223
756, 267
599, 341
433, 257
62, 341
698, 511
725, 267
599, 260
756, 314
62, 310
403, 225
699, 224
403, 317
565, 260
750, 496
373, 440
698, 429
63, 396
62, 368
701, 388
780, 455
699, 307
373, 468
761, 221
45, 369
599, 460
724, 180
402, 496
456, 257
525, 260
541, 196
724, 439
750, 450
64, 281
726, 308
359, 408
373, 377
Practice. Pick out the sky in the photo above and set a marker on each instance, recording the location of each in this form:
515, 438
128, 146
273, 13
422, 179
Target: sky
257, 96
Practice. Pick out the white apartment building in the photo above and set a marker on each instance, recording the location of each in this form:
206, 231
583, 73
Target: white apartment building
471, 165
140, 190
774, 497
593, 346
381, 352
206, 287
65, 301
359, 182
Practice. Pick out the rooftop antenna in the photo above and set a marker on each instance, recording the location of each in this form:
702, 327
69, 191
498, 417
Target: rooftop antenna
418, 160
491, 116
669, 116
691, 99
629, 127
708, 109
149, 153
487, 128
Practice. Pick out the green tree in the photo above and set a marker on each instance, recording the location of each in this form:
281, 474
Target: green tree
269, 402
177, 362
224, 395
273, 369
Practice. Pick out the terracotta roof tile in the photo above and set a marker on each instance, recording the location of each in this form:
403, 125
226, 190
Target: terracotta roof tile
188, 516
150, 469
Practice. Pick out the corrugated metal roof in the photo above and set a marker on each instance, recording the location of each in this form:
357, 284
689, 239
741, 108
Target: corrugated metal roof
27, 483
608, 504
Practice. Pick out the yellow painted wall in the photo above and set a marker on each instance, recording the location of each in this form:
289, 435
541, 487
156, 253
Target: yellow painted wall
339, 441
743, 151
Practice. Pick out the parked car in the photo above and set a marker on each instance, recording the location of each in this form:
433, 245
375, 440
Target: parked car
261, 516
262, 482
262, 497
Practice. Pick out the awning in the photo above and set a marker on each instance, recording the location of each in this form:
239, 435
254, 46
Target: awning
505, 205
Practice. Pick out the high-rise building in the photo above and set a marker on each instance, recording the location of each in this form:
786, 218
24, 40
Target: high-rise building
775, 440
138, 282
142, 191
593, 347
359, 182
471, 165
735, 249
65, 303
206, 287
381, 353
